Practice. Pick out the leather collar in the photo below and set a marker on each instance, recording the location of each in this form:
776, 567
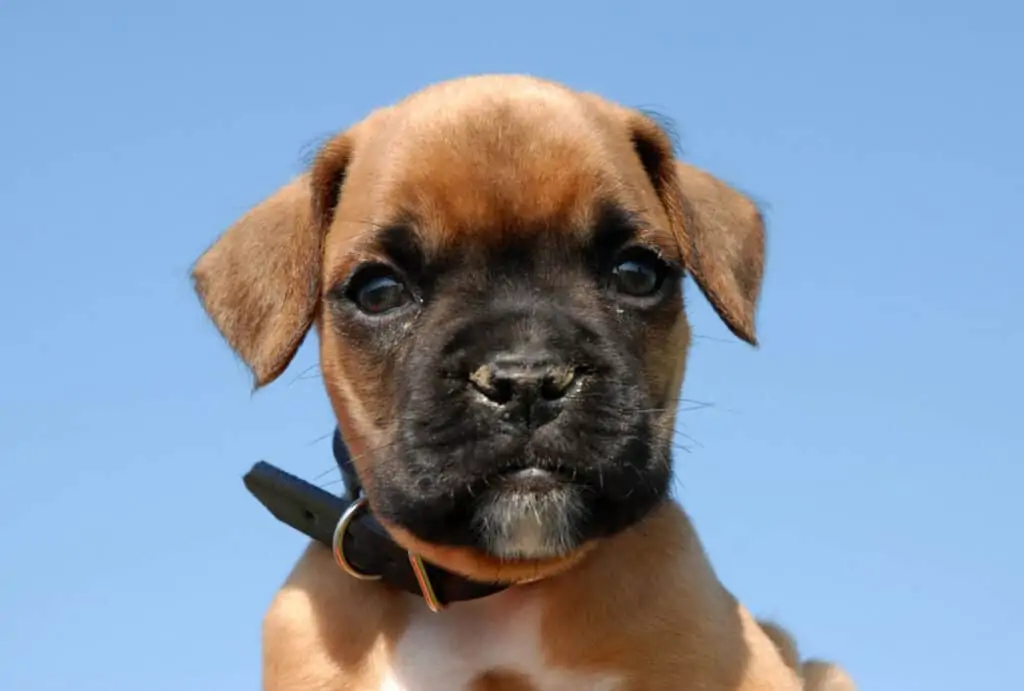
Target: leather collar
361, 546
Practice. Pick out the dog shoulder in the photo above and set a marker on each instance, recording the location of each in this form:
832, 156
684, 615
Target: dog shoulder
323, 631
817, 675
824, 676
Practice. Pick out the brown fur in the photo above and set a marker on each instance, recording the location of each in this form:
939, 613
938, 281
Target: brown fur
501, 680
645, 603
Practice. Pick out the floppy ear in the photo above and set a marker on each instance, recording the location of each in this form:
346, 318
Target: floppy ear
720, 231
260, 281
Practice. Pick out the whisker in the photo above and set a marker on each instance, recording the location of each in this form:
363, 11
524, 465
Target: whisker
304, 374
332, 469
713, 339
322, 437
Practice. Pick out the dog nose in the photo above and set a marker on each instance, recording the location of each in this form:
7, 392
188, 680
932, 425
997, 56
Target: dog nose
516, 378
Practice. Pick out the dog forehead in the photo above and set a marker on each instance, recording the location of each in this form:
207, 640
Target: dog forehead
478, 165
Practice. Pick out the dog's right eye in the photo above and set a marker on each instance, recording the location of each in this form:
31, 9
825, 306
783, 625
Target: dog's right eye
378, 293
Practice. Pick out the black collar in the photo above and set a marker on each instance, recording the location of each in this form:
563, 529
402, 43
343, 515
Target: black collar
363, 548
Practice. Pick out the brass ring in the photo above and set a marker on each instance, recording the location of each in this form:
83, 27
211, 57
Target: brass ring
339, 538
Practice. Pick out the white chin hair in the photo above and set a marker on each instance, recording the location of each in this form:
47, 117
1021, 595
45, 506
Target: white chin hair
530, 525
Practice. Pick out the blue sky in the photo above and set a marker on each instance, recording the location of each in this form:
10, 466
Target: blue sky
857, 477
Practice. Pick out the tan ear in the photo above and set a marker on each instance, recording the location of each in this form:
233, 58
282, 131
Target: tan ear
720, 231
260, 281
725, 232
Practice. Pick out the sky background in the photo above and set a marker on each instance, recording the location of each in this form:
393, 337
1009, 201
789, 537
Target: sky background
858, 477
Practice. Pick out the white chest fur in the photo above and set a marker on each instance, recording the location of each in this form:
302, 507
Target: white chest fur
450, 650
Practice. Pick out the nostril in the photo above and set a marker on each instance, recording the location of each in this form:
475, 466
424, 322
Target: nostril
557, 382
508, 380
500, 391
495, 388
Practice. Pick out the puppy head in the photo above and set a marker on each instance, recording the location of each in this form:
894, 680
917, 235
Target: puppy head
494, 270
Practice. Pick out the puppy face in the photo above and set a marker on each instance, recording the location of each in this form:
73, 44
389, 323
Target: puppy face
494, 267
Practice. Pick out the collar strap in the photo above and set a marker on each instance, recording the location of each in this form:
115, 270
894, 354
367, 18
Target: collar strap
361, 546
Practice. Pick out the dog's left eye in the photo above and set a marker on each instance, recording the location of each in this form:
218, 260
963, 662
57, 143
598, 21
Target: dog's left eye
379, 294
639, 275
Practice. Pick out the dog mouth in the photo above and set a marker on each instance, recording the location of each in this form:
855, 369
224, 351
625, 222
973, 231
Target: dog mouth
531, 479
530, 513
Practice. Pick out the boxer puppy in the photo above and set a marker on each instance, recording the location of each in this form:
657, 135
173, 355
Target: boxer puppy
493, 268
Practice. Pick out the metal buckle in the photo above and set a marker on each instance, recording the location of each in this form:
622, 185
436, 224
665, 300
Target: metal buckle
418, 568
339, 540
426, 587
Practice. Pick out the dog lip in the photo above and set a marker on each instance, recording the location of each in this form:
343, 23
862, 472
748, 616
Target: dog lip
533, 479
533, 473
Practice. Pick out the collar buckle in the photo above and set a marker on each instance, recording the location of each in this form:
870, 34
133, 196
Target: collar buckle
415, 561
338, 541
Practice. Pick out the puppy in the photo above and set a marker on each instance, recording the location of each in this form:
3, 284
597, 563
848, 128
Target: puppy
493, 268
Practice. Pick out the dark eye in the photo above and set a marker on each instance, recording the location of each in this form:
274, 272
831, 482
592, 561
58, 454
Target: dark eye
639, 275
379, 293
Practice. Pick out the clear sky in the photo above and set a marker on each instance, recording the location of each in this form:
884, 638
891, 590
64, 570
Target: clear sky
858, 477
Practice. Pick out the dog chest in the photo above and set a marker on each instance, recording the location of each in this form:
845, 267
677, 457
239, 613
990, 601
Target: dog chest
480, 646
